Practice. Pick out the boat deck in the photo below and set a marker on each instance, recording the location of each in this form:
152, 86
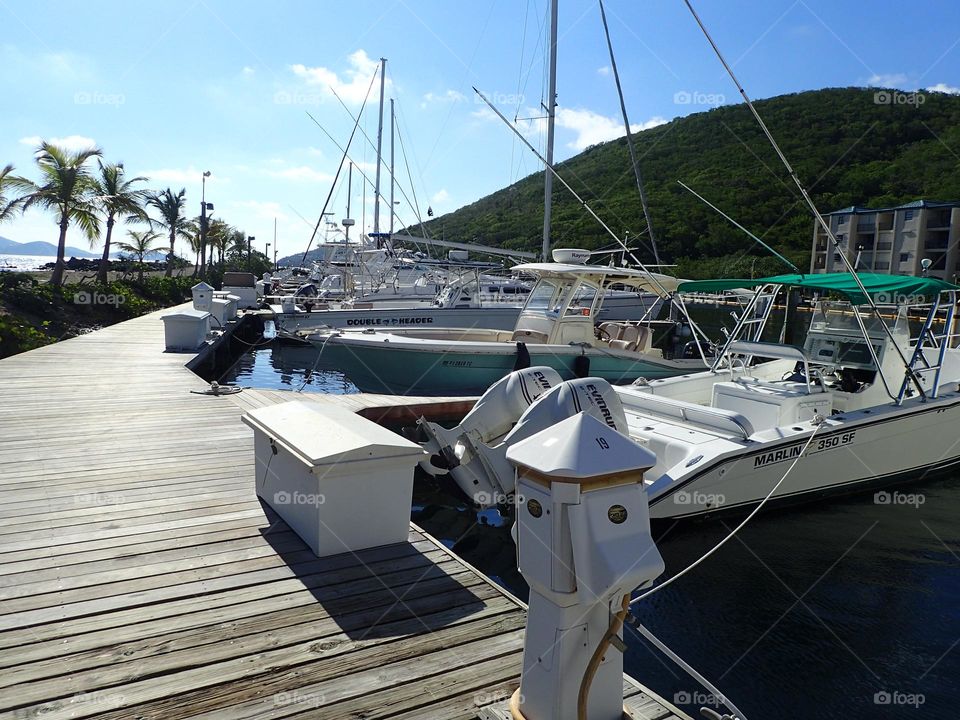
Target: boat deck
140, 577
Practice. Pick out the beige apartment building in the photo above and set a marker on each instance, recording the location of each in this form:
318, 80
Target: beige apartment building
892, 240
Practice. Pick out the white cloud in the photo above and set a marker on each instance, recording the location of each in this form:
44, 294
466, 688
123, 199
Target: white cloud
247, 71
70, 142
263, 209
484, 113
301, 173
593, 128
944, 88
604, 71
447, 96
181, 176
887, 80
351, 85
440, 197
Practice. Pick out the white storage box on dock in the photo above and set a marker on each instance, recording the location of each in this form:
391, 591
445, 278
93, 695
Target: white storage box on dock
232, 309
186, 330
220, 310
246, 296
202, 296
340, 481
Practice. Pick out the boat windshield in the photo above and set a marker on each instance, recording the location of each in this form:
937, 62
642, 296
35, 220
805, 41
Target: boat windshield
583, 299
838, 316
546, 296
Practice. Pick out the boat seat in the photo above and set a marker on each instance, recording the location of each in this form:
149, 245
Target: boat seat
611, 330
530, 336
644, 337
628, 339
711, 418
362, 306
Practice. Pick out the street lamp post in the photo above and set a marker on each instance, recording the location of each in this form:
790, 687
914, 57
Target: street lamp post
203, 222
250, 239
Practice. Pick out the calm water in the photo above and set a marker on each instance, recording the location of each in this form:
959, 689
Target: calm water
287, 367
811, 613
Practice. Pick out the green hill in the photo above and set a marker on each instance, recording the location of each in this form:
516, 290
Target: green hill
846, 148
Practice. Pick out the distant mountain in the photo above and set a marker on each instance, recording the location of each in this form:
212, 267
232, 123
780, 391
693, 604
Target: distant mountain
38, 247
850, 146
297, 259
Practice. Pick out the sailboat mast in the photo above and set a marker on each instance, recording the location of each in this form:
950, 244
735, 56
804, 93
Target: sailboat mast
390, 246
349, 193
376, 188
551, 117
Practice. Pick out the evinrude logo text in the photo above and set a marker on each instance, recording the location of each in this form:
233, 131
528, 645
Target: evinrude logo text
601, 404
368, 322
540, 379
777, 456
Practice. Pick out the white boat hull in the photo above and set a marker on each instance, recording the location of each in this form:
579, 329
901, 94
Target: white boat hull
862, 448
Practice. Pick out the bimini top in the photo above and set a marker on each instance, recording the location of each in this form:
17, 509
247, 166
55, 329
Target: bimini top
639, 279
883, 289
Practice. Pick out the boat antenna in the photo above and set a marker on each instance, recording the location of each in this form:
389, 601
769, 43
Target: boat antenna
813, 208
626, 126
343, 159
736, 224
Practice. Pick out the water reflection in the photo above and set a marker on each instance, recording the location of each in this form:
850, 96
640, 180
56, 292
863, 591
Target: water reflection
283, 366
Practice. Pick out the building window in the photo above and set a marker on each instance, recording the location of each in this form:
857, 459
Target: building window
840, 237
908, 215
904, 257
837, 259
842, 220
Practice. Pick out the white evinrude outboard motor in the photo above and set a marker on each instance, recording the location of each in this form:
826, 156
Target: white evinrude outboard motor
491, 418
474, 452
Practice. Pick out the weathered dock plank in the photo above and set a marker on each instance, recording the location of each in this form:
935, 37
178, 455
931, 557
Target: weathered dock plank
141, 577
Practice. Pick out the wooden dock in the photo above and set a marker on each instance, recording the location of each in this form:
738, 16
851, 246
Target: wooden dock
140, 577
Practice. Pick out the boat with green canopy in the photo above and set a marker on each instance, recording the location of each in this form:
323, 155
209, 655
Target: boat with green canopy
860, 402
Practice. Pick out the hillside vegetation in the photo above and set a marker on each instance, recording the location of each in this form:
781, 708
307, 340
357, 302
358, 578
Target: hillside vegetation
847, 149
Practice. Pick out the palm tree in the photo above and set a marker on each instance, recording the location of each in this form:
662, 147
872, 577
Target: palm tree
117, 196
8, 205
140, 245
66, 188
194, 238
237, 243
218, 234
172, 219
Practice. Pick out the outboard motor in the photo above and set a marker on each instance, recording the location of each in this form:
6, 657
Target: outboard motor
491, 418
479, 465
306, 290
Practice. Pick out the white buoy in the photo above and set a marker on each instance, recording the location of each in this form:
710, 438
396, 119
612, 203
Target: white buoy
583, 544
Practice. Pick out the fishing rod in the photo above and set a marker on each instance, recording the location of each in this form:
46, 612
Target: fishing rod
818, 218
336, 177
736, 224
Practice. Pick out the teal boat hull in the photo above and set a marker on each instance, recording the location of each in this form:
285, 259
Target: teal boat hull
399, 371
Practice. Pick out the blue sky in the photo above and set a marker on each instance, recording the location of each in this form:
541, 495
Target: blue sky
183, 86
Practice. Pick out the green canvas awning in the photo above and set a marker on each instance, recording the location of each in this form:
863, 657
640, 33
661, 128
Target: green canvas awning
884, 289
